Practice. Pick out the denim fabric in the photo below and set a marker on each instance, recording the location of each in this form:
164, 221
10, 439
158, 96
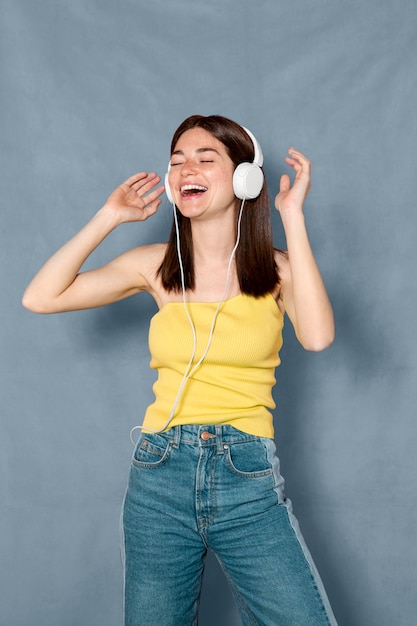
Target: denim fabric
198, 487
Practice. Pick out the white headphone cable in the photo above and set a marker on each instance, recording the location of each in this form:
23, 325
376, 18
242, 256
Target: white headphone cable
189, 372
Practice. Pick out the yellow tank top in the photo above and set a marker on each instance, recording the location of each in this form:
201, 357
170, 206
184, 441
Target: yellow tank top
233, 385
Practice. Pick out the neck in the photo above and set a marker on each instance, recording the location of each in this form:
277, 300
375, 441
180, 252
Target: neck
212, 251
214, 240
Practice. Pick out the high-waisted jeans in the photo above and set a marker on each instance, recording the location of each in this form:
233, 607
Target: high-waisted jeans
198, 487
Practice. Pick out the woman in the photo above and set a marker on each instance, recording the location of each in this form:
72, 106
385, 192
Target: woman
204, 472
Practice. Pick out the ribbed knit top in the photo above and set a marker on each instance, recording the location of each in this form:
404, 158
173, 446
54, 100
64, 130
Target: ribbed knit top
233, 384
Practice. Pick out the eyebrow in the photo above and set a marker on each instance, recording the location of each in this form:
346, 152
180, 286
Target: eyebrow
199, 150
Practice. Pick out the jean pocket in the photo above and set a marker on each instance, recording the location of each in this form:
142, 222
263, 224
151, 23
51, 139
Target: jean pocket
151, 451
248, 459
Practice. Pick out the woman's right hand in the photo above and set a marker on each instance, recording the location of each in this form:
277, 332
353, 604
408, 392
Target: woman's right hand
60, 286
137, 198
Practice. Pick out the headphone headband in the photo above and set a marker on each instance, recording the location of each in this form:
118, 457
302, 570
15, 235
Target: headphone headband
258, 158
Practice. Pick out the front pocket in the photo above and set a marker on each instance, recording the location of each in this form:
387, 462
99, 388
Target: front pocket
248, 459
151, 451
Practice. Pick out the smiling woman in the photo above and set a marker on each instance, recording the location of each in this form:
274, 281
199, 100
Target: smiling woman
204, 473
201, 164
228, 146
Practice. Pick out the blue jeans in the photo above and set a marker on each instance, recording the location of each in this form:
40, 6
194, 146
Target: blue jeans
198, 487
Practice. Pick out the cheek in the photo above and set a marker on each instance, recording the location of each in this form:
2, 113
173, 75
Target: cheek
171, 175
223, 180
227, 184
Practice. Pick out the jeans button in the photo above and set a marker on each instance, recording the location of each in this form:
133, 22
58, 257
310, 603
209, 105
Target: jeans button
205, 435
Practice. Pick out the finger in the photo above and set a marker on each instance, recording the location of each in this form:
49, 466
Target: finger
136, 178
143, 187
284, 183
297, 153
152, 208
150, 179
153, 195
301, 167
298, 157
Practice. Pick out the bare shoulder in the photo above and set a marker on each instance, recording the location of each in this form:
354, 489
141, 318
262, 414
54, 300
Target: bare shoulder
142, 261
143, 256
147, 255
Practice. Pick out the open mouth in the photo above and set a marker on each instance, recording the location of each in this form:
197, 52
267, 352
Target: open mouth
192, 190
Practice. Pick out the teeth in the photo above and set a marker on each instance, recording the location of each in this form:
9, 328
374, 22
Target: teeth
193, 188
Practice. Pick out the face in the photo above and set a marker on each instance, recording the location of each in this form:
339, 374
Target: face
201, 175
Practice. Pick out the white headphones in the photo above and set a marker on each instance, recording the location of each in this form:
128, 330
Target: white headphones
248, 178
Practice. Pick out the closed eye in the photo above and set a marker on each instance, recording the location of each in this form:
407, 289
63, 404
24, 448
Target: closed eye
205, 161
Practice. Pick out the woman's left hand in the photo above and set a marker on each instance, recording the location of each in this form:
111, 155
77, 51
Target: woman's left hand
292, 198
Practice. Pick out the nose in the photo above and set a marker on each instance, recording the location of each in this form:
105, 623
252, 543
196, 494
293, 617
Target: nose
188, 167
180, 172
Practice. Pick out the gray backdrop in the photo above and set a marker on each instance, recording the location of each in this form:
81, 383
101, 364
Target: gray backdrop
91, 93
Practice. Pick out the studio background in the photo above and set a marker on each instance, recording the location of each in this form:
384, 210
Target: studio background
91, 93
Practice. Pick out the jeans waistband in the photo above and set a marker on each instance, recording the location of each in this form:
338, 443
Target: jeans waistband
217, 435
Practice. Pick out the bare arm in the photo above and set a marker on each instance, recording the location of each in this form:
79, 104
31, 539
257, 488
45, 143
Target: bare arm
58, 286
303, 291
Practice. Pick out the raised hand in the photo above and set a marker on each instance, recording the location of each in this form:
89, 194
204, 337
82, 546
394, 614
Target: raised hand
292, 197
137, 198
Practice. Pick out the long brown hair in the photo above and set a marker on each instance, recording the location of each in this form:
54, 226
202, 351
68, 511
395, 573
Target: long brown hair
256, 269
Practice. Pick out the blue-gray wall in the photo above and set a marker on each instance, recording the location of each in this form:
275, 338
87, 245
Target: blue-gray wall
91, 91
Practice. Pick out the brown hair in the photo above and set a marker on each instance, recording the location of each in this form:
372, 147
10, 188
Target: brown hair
255, 264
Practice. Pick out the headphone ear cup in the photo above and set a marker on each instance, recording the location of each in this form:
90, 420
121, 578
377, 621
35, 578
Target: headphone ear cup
248, 180
168, 189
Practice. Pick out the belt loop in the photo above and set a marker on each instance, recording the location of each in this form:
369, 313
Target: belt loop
177, 436
219, 440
